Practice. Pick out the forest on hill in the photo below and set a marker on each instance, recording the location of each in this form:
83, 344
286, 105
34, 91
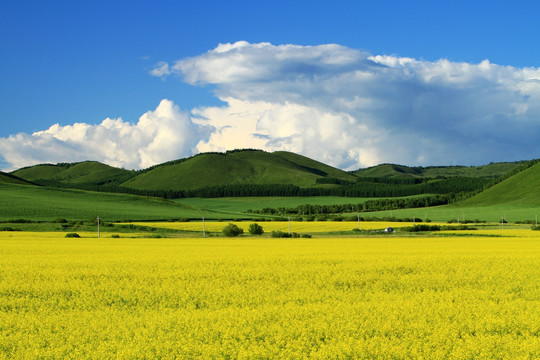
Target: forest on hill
249, 172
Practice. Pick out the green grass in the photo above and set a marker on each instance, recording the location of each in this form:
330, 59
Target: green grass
493, 213
520, 189
39, 203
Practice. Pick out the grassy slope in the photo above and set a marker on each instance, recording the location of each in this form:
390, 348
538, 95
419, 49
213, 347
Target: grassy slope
84, 172
39, 203
516, 198
241, 167
42, 171
12, 179
388, 170
313, 164
392, 170
520, 189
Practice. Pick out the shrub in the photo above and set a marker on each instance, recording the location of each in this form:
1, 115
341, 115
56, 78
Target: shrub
255, 229
115, 236
8, 228
72, 235
281, 234
232, 230
422, 227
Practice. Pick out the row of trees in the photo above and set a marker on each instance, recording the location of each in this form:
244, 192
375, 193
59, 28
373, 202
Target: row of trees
359, 189
371, 205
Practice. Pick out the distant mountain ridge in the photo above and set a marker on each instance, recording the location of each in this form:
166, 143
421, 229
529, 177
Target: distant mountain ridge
393, 170
250, 172
202, 170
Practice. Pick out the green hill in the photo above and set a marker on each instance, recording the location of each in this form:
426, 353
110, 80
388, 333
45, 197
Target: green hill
12, 179
522, 188
75, 173
388, 170
235, 167
492, 170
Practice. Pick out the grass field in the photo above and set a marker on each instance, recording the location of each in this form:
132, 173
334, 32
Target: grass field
249, 298
38, 203
491, 213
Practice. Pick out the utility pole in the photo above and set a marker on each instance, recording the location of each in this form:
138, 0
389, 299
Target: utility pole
358, 221
203, 227
289, 224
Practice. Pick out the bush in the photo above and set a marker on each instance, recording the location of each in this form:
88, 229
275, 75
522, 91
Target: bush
8, 228
281, 234
115, 236
72, 235
232, 230
255, 229
422, 227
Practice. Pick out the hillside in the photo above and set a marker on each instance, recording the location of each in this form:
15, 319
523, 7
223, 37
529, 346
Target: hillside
44, 203
522, 188
12, 179
75, 173
492, 170
259, 173
235, 167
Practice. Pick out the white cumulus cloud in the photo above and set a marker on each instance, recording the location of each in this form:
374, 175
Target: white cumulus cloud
342, 106
353, 109
164, 134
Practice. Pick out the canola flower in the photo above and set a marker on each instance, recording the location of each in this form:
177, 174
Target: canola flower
250, 298
296, 226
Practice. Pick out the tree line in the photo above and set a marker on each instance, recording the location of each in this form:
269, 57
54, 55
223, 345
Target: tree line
370, 205
359, 189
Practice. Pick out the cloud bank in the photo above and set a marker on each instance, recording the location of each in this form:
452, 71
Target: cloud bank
342, 106
164, 134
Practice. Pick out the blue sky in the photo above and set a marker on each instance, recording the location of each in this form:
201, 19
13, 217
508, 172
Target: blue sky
71, 62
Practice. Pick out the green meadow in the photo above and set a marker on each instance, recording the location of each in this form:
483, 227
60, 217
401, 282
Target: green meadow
45, 204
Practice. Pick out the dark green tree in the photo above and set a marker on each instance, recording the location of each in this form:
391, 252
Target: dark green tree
255, 229
232, 230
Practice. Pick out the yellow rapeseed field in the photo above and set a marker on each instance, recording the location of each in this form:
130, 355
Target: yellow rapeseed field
296, 226
263, 298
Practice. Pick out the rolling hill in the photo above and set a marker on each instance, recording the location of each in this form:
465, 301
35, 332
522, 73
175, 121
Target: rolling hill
517, 194
522, 188
492, 170
75, 173
235, 167
251, 172
12, 179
